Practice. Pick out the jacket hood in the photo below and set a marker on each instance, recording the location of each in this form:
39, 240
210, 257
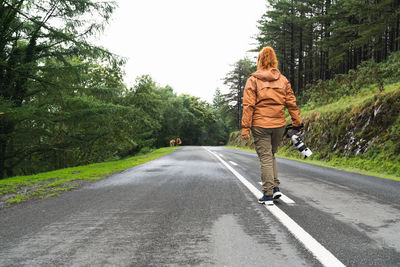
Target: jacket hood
267, 75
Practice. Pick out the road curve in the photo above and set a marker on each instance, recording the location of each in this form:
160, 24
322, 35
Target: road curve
187, 208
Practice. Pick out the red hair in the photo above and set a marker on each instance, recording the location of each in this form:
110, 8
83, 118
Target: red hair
267, 59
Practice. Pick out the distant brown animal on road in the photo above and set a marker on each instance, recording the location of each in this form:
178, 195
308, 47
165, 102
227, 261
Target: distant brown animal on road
178, 141
172, 142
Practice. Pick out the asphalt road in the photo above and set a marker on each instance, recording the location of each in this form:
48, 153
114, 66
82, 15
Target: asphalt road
188, 208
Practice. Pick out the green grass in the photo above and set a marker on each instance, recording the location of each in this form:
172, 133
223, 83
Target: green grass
48, 184
17, 199
347, 102
337, 163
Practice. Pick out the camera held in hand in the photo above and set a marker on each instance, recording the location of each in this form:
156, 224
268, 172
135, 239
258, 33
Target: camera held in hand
291, 132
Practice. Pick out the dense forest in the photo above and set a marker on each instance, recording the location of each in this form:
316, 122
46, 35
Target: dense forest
63, 101
317, 39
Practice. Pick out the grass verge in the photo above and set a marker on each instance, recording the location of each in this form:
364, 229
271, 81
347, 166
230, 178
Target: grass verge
338, 163
43, 185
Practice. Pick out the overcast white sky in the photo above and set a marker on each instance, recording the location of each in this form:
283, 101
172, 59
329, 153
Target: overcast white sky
187, 44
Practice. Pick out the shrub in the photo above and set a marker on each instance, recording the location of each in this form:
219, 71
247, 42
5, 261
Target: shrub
145, 150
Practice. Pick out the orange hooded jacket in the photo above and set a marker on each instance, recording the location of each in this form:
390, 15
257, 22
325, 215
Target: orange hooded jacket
266, 94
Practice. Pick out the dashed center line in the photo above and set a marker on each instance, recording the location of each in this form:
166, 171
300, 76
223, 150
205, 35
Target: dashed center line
285, 198
320, 252
233, 163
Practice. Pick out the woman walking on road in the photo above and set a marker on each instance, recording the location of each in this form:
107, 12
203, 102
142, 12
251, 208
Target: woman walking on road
266, 94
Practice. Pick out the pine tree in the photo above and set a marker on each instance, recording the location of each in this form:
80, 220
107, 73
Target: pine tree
236, 80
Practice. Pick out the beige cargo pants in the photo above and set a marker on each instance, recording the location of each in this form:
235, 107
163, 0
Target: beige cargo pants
266, 141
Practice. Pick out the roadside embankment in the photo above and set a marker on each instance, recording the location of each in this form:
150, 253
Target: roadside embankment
359, 133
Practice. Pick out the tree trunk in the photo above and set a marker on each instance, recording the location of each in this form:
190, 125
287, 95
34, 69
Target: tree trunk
3, 146
240, 99
300, 72
362, 53
284, 67
321, 62
292, 59
385, 49
397, 41
391, 39
6, 128
311, 56
327, 35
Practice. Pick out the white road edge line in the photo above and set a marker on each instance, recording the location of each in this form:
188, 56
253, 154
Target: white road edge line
233, 163
320, 252
285, 198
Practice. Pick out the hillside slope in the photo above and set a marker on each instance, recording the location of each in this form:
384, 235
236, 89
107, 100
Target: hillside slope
360, 131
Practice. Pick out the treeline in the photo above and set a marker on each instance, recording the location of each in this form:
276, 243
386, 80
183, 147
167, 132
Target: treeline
317, 39
63, 101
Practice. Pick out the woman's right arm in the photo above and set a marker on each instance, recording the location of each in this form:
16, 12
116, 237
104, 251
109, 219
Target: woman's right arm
249, 102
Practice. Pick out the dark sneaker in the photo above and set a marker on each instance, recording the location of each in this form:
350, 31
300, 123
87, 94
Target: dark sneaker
277, 194
266, 200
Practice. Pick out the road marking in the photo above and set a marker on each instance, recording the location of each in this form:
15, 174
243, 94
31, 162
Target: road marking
233, 163
320, 252
285, 198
